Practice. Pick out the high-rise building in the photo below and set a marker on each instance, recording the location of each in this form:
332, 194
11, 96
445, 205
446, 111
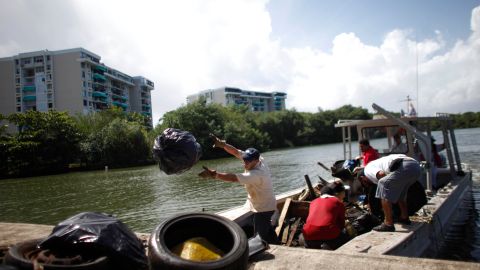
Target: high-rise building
257, 101
72, 80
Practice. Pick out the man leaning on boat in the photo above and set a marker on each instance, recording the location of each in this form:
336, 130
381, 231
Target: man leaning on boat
393, 174
258, 183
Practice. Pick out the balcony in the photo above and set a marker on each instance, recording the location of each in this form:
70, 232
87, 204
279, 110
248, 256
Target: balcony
100, 68
99, 94
99, 77
120, 104
117, 97
29, 98
99, 87
99, 100
29, 88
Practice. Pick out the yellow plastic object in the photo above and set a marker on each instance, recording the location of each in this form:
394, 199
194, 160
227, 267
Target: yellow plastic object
198, 249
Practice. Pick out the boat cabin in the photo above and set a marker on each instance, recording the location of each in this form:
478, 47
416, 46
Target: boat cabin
405, 135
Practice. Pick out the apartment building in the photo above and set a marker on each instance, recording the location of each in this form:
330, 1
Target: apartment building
72, 80
257, 101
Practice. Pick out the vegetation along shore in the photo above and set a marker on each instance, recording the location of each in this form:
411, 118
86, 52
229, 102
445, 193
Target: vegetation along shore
55, 142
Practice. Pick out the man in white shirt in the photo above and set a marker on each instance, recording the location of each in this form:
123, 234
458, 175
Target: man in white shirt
258, 183
393, 174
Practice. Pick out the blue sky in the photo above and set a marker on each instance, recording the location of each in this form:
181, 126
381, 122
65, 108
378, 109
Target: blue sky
316, 22
323, 54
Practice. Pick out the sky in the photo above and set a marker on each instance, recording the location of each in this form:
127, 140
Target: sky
323, 54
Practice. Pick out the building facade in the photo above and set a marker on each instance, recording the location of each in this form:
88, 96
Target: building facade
256, 101
72, 80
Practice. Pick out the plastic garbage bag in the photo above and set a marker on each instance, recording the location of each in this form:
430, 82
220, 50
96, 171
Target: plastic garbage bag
176, 151
198, 249
100, 233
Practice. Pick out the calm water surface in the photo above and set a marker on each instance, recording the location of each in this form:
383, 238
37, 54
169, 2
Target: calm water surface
142, 196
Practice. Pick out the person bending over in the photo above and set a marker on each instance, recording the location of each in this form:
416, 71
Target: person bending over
393, 174
324, 228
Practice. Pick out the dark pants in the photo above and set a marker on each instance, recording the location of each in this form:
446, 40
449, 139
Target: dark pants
330, 244
262, 224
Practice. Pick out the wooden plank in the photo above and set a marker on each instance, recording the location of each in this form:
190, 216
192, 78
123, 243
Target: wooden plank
299, 209
282, 217
293, 231
310, 187
285, 232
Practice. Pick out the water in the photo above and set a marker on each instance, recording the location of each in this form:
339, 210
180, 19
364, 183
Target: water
142, 196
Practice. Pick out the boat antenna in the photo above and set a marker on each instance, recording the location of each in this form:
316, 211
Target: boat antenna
416, 57
410, 108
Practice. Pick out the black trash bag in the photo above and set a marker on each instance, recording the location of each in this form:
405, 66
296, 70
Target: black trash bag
362, 221
176, 151
365, 223
343, 169
99, 233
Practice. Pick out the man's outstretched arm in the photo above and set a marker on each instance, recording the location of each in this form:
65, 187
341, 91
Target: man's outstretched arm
225, 146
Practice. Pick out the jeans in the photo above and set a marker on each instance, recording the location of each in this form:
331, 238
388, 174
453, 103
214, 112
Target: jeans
262, 225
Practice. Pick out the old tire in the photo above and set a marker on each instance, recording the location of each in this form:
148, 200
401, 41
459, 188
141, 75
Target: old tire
221, 232
16, 256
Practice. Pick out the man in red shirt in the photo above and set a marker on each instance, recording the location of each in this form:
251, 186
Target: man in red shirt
368, 153
326, 219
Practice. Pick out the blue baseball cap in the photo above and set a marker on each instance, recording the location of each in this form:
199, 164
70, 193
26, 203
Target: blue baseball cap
250, 154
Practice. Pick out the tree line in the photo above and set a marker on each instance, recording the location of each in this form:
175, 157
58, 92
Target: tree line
54, 142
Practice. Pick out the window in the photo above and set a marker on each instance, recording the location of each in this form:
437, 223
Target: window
18, 99
48, 67
19, 109
84, 84
83, 74
49, 86
17, 80
50, 105
49, 76
17, 71
84, 102
39, 69
17, 90
48, 57
16, 61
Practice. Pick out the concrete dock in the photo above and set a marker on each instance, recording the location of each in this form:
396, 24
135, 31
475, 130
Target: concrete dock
277, 257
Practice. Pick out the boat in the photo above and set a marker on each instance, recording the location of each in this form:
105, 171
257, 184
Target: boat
452, 183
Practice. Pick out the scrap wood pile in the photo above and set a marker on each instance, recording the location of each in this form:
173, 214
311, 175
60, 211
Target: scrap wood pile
294, 214
295, 211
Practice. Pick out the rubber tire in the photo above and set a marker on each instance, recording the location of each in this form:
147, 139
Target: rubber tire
14, 257
221, 232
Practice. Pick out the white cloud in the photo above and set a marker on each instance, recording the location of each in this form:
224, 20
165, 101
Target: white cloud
189, 45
